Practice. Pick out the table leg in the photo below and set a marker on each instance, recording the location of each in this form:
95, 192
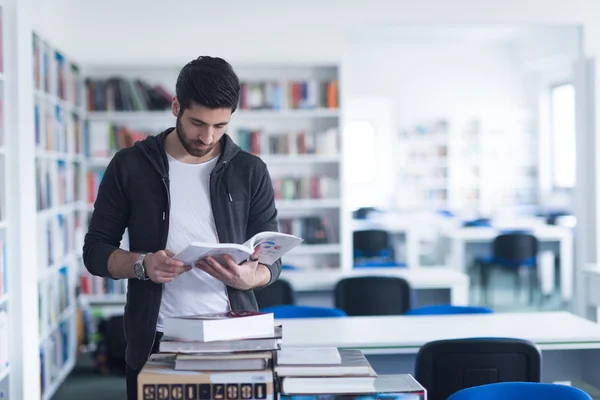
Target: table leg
566, 267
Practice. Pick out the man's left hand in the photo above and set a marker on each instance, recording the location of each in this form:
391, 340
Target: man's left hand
247, 275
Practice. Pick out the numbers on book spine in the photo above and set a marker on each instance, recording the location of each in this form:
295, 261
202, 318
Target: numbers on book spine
205, 391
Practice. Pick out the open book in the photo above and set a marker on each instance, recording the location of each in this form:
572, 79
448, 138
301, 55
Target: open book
275, 245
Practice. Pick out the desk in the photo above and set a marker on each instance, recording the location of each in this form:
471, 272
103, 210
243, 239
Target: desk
311, 284
570, 345
460, 237
591, 275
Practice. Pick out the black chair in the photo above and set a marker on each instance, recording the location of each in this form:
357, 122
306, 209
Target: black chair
278, 293
373, 248
373, 295
446, 366
514, 252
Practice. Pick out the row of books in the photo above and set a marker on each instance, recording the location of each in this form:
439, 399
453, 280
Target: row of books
259, 142
4, 340
294, 94
314, 230
57, 129
53, 74
306, 187
59, 236
55, 354
55, 299
123, 94
104, 139
242, 355
96, 285
58, 183
3, 269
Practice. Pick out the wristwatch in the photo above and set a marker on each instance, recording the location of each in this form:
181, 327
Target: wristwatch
139, 269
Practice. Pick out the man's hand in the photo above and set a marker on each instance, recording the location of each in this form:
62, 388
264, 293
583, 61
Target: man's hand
162, 268
248, 275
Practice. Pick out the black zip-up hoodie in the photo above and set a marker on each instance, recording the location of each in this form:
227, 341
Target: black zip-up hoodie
134, 194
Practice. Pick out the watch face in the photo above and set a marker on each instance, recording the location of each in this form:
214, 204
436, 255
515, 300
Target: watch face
138, 270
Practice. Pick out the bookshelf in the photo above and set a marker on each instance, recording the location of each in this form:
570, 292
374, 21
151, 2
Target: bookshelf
479, 163
60, 209
5, 237
288, 115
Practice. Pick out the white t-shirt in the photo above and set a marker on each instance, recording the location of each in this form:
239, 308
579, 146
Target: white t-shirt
191, 218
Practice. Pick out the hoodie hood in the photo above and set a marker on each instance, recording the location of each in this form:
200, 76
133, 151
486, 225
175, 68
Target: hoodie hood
153, 148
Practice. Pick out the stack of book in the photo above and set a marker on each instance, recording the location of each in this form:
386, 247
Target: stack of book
225, 356
338, 374
243, 356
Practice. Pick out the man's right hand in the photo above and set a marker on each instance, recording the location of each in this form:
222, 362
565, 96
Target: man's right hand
162, 268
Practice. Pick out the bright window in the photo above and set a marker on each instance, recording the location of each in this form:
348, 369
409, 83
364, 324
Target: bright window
562, 109
360, 154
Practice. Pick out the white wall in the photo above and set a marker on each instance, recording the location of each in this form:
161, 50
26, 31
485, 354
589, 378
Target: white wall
139, 31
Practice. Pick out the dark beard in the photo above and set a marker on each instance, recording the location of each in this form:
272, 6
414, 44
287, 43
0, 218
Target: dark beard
187, 145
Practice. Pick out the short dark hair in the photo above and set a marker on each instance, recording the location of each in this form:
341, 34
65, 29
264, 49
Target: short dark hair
210, 82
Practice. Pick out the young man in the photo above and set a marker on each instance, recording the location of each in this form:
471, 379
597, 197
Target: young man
191, 182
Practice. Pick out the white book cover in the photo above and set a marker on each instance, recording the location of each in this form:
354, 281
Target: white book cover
308, 356
232, 325
274, 246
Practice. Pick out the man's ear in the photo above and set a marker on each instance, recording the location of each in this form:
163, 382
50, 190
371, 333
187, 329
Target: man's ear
175, 106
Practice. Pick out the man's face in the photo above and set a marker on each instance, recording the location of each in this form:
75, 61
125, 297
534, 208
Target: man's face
200, 128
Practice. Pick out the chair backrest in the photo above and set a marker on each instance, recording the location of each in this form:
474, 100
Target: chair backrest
373, 295
372, 243
277, 293
446, 366
515, 247
291, 311
521, 391
446, 309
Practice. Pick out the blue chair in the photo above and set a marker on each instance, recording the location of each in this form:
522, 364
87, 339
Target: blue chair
292, 311
446, 309
521, 391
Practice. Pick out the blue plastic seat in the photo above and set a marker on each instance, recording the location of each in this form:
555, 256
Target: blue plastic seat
292, 311
447, 309
521, 391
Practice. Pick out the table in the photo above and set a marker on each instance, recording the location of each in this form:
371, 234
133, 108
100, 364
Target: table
570, 344
591, 280
460, 237
316, 287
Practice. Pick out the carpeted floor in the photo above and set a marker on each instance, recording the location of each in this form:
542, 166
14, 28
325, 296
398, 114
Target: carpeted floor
86, 383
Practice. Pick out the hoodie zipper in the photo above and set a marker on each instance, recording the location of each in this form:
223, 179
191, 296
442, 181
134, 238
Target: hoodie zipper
165, 238
210, 191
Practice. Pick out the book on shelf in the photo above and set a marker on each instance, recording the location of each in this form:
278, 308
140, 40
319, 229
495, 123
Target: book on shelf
274, 246
220, 326
314, 229
308, 356
305, 187
294, 94
124, 94
104, 138
258, 343
260, 142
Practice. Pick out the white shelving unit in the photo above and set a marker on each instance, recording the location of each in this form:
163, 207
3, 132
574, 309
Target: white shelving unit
6, 238
479, 163
59, 168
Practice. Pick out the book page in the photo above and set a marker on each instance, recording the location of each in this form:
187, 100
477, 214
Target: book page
275, 245
196, 251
